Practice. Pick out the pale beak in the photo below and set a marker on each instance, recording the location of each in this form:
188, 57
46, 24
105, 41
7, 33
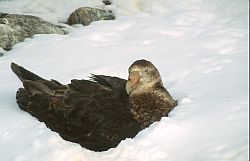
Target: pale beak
133, 80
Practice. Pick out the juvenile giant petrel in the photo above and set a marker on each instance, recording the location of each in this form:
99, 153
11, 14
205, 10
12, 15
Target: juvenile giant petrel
99, 113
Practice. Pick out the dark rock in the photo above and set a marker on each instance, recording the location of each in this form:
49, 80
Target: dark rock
106, 2
85, 15
15, 28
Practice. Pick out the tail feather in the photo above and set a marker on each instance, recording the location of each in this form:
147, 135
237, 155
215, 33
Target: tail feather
34, 83
24, 74
37, 87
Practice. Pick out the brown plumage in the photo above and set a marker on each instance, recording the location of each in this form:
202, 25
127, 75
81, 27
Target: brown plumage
96, 113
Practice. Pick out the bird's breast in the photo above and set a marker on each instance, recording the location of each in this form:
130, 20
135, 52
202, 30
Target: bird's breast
149, 108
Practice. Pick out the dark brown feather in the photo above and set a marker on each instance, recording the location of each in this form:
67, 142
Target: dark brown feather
93, 114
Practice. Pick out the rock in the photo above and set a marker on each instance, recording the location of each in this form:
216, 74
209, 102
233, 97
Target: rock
85, 15
15, 28
106, 2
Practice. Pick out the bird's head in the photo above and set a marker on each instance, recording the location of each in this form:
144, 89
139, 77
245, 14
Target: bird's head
143, 75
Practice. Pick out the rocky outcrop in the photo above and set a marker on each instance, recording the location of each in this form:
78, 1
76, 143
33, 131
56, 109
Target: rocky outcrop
107, 2
15, 28
85, 15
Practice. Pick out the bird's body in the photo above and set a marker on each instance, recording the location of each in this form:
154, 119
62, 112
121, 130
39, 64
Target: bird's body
96, 113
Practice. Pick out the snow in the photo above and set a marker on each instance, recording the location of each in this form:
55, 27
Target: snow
200, 48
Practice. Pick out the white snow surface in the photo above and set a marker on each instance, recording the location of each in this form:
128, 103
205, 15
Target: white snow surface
199, 46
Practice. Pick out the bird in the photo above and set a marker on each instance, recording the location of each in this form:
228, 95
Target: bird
100, 112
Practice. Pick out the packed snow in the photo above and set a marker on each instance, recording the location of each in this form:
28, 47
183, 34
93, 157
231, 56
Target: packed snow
199, 46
